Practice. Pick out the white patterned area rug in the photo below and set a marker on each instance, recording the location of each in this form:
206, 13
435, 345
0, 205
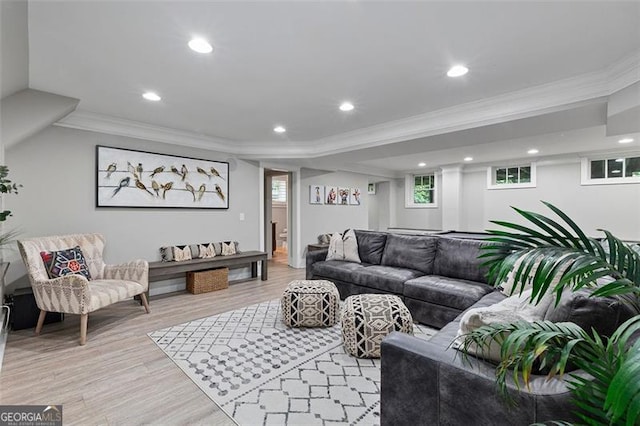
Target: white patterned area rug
262, 373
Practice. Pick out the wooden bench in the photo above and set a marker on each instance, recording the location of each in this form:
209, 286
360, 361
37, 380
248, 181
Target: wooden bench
159, 271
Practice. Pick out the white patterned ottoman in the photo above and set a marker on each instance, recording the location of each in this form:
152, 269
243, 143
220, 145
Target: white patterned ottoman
310, 303
368, 318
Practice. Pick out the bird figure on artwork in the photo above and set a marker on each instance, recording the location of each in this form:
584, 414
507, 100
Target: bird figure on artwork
191, 190
201, 191
203, 171
219, 191
214, 172
112, 168
132, 170
139, 169
184, 171
157, 170
156, 187
175, 170
123, 183
167, 186
141, 185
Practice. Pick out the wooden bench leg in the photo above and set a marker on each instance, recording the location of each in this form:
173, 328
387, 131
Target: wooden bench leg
84, 319
40, 323
265, 273
254, 269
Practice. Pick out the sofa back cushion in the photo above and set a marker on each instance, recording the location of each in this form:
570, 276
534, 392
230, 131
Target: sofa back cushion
410, 251
371, 246
458, 258
604, 314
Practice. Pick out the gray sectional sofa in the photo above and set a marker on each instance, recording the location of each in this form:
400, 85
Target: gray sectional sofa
437, 277
427, 382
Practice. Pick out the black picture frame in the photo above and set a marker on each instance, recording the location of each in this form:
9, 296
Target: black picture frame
143, 179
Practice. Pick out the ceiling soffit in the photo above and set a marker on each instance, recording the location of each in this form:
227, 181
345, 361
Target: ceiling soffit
543, 99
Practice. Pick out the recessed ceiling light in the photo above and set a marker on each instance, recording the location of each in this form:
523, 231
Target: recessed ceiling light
620, 160
200, 45
346, 106
626, 140
151, 96
422, 164
533, 151
468, 158
615, 171
457, 71
279, 129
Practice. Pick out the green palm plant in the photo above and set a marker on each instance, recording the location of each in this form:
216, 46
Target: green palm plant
612, 394
6, 187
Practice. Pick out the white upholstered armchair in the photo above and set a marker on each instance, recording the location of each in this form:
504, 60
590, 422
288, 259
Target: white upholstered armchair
74, 294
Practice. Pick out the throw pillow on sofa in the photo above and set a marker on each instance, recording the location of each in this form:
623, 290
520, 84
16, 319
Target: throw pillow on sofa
344, 247
510, 286
512, 309
65, 262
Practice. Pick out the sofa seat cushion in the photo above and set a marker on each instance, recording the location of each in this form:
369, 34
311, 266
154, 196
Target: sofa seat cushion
338, 269
107, 292
387, 278
445, 291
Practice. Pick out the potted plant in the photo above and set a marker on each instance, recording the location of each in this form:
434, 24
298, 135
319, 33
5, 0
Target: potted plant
6, 187
612, 394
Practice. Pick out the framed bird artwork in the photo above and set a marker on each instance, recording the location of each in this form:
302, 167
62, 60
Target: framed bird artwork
130, 178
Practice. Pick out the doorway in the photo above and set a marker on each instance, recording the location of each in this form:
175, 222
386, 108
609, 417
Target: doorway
277, 215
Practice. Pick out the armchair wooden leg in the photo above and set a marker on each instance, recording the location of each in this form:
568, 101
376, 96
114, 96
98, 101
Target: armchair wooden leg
84, 319
145, 303
40, 321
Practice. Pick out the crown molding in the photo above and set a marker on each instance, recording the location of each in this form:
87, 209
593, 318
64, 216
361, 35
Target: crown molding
547, 98
544, 99
624, 73
85, 120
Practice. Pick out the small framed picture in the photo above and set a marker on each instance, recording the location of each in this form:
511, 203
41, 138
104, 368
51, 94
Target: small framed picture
343, 196
371, 189
331, 195
355, 197
316, 194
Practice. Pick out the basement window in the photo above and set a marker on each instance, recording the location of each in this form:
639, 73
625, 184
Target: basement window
511, 176
420, 191
611, 170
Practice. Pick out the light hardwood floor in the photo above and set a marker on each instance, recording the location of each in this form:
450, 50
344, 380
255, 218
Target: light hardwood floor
121, 377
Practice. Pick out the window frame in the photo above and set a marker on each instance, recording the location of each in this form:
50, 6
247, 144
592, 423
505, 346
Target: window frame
491, 171
279, 202
585, 170
409, 184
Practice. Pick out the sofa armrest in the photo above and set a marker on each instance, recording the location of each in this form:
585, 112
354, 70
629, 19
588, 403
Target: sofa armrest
426, 383
137, 271
313, 257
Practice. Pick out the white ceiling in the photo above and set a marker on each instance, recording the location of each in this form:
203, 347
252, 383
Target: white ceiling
292, 63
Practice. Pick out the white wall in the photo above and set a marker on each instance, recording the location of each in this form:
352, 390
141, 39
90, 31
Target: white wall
417, 218
612, 207
379, 207
57, 169
15, 47
322, 219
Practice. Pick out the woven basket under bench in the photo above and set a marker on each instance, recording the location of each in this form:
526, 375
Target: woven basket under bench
206, 281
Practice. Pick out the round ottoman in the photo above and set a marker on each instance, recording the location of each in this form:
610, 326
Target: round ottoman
310, 303
367, 318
